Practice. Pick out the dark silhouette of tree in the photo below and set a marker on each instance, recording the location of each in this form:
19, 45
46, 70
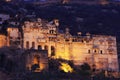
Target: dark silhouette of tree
9, 66
85, 66
54, 64
2, 59
85, 69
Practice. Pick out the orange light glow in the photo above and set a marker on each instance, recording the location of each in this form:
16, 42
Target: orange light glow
35, 61
42, 66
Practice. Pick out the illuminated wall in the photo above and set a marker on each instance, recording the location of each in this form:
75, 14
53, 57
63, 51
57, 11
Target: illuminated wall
3, 41
98, 50
14, 37
37, 61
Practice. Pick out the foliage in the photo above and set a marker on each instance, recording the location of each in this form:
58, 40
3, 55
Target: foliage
85, 66
83, 69
54, 64
10, 59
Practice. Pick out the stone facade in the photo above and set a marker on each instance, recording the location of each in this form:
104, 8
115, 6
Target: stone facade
14, 37
97, 50
37, 60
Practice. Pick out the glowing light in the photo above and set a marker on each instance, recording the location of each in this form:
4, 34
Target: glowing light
35, 61
42, 66
8, 0
66, 67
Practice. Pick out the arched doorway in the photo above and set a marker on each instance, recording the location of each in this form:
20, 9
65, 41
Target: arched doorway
39, 47
52, 51
33, 45
36, 59
27, 45
46, 47
36, 63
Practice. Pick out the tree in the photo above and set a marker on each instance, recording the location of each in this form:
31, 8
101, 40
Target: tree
85, 66
2, 59
54, 64
84, 69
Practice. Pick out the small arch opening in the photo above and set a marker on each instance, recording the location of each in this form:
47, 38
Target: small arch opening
39, 47
33, 45
46, 47
27, 44
101, 52
95, 51
88, 51
52, 51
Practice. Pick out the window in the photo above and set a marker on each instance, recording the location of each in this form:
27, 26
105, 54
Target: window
51, 31
27, 44
36, 59
95, 51
66, 40
39, 47
88, 51
52, 51
46, 47
101, 52
33, 45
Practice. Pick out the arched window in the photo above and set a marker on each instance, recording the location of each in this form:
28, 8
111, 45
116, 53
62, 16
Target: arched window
51, 31
101, 52
95, 51
39, 47
46, 47
36, 59
27, 44
52, 51
88, 51
33, 45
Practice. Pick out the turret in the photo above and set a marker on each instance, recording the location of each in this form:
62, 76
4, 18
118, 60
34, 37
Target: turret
79, 33
56, 22
88, 35
67, 33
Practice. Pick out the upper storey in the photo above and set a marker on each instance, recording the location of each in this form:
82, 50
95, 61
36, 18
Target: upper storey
41, 26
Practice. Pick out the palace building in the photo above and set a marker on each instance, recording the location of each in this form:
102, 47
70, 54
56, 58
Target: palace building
97, 50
